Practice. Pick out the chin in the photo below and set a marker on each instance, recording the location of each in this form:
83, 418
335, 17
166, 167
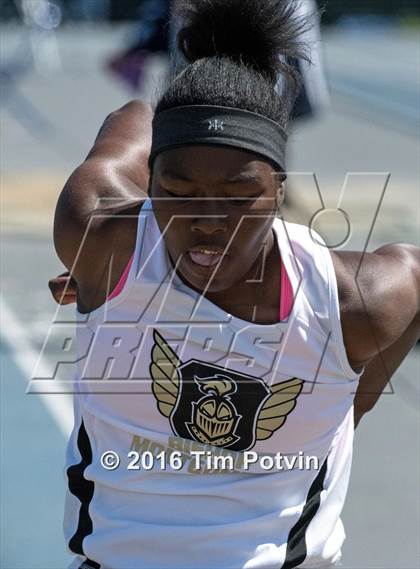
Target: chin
201, 284
214, 286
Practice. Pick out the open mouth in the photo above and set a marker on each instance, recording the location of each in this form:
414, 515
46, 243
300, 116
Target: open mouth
205, 257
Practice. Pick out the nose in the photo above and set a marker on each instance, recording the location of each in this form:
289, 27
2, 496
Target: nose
209, 218
209, 225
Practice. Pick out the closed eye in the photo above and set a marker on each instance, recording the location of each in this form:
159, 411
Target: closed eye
243, 201
235, 201
178, 196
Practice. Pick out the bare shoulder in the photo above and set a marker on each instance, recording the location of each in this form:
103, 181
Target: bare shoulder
379, 295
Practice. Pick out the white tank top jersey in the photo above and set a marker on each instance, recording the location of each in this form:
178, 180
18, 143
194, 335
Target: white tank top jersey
168, 376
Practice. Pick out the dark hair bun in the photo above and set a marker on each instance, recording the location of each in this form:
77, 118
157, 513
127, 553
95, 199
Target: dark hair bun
252, 32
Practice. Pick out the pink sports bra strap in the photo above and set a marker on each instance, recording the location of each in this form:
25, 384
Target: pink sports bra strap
118, 289
286, 294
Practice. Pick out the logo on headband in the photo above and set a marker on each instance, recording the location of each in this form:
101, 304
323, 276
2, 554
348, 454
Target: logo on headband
216, 125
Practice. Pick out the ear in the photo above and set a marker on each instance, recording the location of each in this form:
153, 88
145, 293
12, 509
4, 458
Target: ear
280, 196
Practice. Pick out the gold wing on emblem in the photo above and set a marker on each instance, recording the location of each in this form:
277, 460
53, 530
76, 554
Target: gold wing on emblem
275, 410
163, 370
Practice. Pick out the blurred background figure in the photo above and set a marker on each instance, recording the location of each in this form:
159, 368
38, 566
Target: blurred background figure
89, 10
152, 37
36, 50
42, 18
56, 90
314, 96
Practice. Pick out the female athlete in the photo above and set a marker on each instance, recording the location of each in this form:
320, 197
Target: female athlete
219, 349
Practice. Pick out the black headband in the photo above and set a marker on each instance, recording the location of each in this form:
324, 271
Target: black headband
223, 126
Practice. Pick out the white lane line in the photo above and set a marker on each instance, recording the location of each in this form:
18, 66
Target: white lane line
26, 358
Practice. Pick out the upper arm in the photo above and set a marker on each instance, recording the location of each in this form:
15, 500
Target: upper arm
389, 279
124, 140
115, 173
379, 297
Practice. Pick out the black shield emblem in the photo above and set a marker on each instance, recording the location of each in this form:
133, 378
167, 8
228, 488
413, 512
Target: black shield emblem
217, 406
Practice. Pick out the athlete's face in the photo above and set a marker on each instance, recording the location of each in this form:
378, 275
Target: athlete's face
215, 207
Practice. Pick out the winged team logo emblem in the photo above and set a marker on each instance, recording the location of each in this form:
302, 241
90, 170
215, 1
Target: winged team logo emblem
218, 406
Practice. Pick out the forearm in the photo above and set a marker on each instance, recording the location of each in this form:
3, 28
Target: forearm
380, 370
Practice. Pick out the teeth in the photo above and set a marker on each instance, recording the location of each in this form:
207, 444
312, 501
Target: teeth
205, 258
